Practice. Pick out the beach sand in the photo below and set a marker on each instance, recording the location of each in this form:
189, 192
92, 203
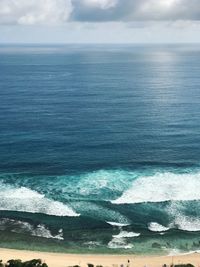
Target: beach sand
64, 260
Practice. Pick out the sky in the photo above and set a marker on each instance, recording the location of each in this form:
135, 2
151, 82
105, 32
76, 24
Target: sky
99, 21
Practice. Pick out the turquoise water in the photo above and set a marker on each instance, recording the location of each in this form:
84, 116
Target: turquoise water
99, 148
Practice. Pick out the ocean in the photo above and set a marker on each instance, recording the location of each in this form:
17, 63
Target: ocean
100, 148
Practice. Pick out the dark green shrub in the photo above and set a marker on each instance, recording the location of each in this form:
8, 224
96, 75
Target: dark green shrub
1, 264
31, 263
90, 265
14, 263
184, 265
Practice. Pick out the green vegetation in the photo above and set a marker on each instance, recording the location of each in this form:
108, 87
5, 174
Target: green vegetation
39, 263
184, 265
19, 263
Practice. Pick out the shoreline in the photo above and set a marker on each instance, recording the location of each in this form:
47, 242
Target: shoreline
54, 259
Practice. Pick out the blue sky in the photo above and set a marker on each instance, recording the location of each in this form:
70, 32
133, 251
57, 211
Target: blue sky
99, 21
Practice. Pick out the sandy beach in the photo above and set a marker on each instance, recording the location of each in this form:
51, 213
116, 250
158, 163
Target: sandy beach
64, 260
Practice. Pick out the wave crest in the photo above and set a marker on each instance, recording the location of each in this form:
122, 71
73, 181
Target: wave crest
21, 227
162, 187
156, 227
27, 200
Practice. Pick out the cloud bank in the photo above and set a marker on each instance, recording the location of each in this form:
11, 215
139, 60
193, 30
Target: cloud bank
31, 12
48, 12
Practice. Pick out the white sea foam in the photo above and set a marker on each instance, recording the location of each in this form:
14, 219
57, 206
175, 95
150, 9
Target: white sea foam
181, 220
120, 240
116, 243
187, 223
178, 252
162, 187
27, 200
40, 230
125, 234
118, 224
174, 252
18, 226
101, 183
156, 227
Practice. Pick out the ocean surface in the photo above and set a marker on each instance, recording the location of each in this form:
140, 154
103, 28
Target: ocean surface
100, 148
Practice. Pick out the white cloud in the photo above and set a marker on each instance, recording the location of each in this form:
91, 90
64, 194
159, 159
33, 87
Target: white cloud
136, 10
103, 4
29, 12
42, 12
163, 9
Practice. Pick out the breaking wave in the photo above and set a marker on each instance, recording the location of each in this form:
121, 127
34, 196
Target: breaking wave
156, 227
121, 240
187, 223
162, 187
19, 227
117, 224
27, 200
181, 219
125, 234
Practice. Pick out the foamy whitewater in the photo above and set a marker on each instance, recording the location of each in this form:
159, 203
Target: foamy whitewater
24, 199
24, 227
162, 187
156, 227
100, 148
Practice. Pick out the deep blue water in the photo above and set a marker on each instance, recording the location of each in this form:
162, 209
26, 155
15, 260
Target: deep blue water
97, 134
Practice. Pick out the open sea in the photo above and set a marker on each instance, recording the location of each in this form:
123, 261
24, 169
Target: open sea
100, 148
